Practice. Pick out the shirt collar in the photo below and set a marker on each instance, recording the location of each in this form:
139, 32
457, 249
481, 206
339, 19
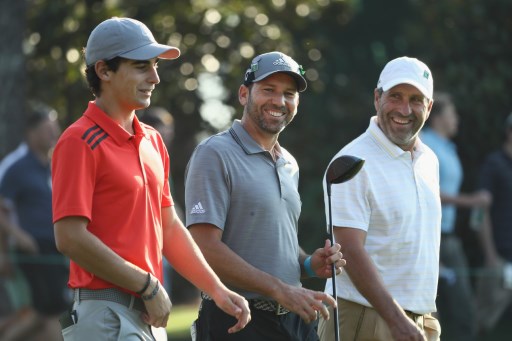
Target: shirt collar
249, 145
111, 127
242, 137
392, 149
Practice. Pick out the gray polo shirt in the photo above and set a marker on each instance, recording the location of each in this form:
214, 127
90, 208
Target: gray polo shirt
232, 183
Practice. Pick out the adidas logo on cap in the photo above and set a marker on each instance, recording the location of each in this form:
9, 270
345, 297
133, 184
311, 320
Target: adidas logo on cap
282, 62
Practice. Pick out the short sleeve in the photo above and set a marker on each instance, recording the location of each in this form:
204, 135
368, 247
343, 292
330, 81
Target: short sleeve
207, 188
73, 178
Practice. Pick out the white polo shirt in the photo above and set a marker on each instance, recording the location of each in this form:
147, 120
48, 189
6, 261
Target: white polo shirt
395, 199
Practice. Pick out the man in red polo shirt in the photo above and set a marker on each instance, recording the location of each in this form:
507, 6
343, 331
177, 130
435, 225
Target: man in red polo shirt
112, 207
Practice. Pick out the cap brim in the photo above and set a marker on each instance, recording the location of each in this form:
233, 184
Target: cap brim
151, 51
397, 81
301, 82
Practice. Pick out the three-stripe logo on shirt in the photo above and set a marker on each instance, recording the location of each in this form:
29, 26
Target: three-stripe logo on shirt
93, 136
198, 208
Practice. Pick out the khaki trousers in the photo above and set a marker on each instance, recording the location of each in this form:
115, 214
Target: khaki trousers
361, 323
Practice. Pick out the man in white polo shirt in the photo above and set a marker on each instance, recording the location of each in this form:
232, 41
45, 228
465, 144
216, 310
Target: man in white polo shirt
387, 218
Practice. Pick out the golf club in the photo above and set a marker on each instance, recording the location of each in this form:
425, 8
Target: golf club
340, 170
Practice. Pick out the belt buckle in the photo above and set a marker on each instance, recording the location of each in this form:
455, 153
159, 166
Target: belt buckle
280, 310
413, 316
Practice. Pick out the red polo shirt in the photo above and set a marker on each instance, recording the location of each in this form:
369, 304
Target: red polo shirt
119, 182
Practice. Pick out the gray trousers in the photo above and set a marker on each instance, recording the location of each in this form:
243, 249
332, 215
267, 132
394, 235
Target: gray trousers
107, 321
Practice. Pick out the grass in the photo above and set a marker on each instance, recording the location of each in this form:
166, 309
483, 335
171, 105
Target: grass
182, 316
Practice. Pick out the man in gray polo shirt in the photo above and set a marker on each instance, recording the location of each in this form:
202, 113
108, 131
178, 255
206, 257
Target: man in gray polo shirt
242, 208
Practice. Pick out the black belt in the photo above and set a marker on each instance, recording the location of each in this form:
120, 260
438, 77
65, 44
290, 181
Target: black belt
112, 295
265, 305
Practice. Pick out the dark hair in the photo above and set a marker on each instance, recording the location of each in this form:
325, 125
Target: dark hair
92, 78
155, 116
441, 101
37, 113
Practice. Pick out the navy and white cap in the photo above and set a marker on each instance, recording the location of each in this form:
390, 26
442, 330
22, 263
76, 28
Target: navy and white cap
269, 63
406, 70
127, 38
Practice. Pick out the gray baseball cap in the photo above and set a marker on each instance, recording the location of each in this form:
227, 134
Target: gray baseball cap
269, 63
127, 38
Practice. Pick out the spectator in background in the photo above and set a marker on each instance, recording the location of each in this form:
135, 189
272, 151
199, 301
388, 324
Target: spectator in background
455, 299
17, 317
160, 119
26, 187
494, 287
13, 156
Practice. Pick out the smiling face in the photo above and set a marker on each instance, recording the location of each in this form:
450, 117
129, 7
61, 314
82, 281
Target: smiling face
269, 105
401, 113
131, 85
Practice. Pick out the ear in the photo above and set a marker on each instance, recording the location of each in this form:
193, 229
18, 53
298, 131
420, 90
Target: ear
429, 108
376, 98
102, 70
243, 94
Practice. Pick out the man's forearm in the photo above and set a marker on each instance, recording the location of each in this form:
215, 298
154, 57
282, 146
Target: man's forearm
90, 253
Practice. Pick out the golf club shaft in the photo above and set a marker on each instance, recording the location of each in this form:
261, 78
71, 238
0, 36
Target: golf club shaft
333, 269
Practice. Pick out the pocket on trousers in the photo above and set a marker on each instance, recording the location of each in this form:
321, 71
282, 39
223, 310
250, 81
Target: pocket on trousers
193, 331
432, 327
67, 333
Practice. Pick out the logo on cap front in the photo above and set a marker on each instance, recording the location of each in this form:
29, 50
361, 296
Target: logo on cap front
426, 74
282, 62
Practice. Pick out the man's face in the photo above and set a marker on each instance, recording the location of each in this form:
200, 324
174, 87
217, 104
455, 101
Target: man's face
401, 113
46, 134
132, 84
271, 103
450, 120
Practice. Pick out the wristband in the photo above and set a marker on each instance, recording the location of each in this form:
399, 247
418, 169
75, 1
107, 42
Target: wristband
307, 267
153, 293
148, 281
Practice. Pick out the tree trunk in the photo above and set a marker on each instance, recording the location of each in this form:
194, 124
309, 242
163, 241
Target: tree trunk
12, 73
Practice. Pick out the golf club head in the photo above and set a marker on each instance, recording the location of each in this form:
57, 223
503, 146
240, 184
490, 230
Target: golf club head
343, 169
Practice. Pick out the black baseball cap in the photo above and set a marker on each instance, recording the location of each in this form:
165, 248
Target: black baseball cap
269, 63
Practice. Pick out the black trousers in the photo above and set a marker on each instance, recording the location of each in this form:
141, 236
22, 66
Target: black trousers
456, 300
213, 325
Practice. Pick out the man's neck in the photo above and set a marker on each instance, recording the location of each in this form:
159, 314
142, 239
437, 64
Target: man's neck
115, 112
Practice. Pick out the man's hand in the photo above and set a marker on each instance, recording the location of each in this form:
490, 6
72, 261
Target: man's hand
304, 302
406, 330
323, 258
235, 305
158, 307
